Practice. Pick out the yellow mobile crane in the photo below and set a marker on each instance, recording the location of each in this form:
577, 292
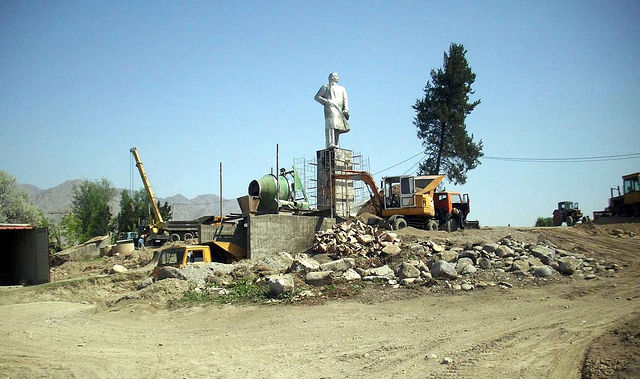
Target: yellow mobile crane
156, 228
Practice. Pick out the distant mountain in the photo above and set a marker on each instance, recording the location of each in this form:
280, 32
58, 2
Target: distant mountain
32, 190
56, 201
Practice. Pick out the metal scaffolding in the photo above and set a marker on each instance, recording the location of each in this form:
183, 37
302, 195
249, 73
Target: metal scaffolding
308, 170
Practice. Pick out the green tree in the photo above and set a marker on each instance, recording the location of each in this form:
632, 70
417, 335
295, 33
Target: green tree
166, 210
71, 230
440, 119
544, 221
133, 210
90, 214
16, 206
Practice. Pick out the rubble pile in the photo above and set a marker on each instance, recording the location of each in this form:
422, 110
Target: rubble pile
354, 251
350, 238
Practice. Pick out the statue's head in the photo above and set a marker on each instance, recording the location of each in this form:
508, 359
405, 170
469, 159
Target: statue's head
333, 77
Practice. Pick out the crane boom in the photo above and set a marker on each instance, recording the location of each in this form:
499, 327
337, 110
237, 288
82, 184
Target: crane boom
159, 222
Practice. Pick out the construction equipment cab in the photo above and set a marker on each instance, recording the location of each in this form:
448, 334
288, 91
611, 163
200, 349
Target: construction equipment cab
569, 212
627, 204
408, 200
452, 209
180, 256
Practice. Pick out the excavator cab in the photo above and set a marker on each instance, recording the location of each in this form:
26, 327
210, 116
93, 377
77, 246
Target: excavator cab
399, 192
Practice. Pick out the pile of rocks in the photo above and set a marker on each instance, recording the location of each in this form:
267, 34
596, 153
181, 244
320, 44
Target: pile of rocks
355, 251
351, 238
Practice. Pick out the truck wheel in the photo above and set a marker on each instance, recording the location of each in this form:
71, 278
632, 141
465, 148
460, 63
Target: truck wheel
451, 225
569, 221
175, 237
557, 219
188, 236
399, 223
432, 225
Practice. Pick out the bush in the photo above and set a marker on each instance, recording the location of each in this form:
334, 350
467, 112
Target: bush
544, 221
242, 291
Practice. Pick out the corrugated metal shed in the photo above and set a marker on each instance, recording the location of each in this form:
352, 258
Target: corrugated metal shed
24, 251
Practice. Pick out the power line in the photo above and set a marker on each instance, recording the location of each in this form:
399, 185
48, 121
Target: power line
398, 164
600, 158
567, 159
412, 167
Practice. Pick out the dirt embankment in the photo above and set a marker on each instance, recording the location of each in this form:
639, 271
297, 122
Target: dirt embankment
566, 328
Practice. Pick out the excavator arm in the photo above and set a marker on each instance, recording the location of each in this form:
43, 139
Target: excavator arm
159, 222
376, 198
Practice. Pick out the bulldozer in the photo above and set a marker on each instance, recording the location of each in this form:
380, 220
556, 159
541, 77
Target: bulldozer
626, 203
413, 201
568, 212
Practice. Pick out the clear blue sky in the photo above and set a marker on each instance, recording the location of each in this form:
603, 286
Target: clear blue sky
192, 84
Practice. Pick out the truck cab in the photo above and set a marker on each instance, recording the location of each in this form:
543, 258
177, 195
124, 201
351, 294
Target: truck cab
452, 209
180, 256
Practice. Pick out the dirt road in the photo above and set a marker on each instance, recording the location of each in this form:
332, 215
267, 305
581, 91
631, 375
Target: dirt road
538, 331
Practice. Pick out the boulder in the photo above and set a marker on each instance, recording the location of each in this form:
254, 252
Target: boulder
543, 253
280, 285
462, 263
519, 265
542, 271
406, 270
319, 278
383, 271
466, 287
169, 272
391, 250
339, 265
503, 251
286, 258
469, 269
490, 247
273, 265
391, 237
416, 249
484, 263
117, 269
443, 270
435, 247
534, 262
408, 281
448, 256
365, 239
304, 264
568, 265
471, 254
351, 275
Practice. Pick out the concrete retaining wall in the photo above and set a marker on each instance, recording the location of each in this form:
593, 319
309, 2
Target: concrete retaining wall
225, 232
273, 233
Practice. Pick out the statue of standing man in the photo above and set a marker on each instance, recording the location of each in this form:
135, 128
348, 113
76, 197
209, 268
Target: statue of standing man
336, 110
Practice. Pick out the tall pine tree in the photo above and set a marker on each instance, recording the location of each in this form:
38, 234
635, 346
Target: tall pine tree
440, 119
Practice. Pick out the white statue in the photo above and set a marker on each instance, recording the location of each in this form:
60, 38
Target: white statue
336, 110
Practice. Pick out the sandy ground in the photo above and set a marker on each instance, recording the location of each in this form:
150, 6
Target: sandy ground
573, 328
